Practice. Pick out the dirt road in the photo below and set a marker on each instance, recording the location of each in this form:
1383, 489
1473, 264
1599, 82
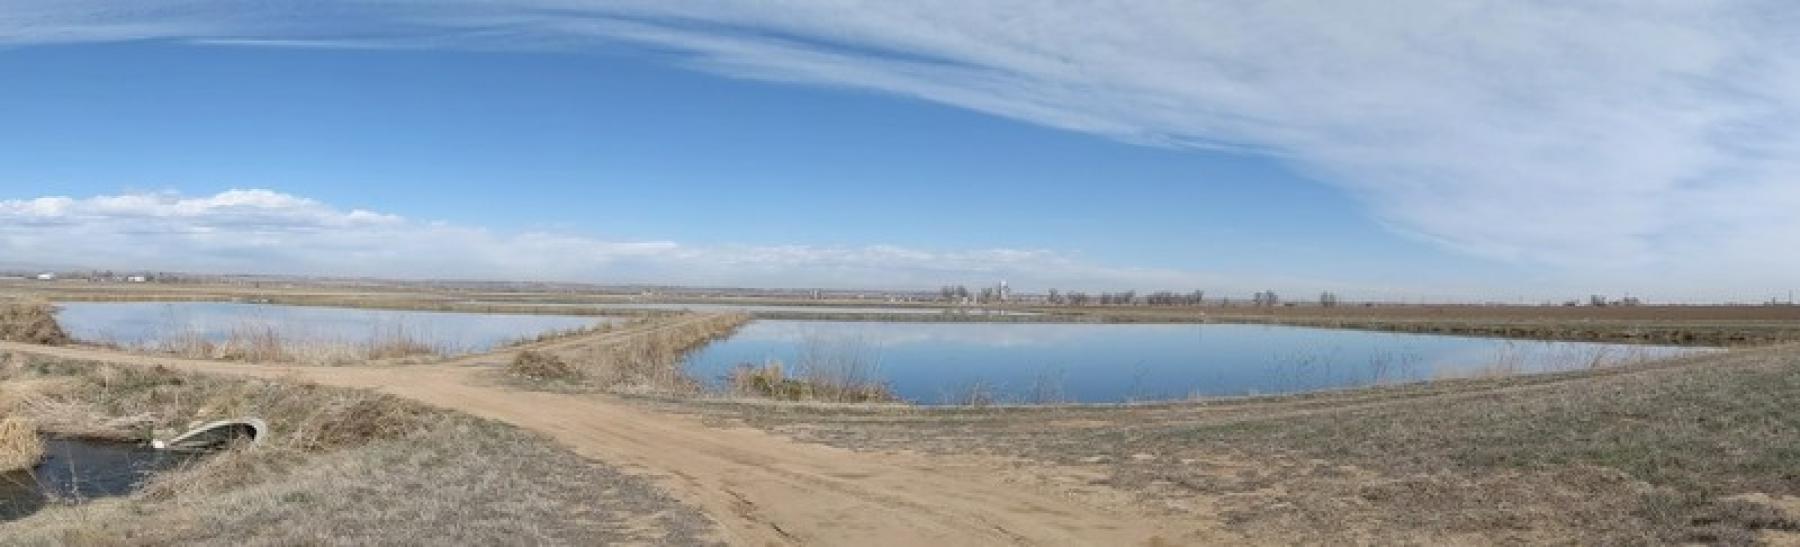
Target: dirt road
762, 489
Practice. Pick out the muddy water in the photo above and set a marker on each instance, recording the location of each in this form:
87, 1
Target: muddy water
76, 470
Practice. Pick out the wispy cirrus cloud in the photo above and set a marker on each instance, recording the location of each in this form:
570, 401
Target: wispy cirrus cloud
1604, 139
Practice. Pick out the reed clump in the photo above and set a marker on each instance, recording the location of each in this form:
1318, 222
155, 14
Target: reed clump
538, 365
564, 334
650, 361
828, 369
20, 447
32, 321
266, 344
771, 381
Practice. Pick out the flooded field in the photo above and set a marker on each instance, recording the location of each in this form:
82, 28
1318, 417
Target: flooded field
151, 323
939, 363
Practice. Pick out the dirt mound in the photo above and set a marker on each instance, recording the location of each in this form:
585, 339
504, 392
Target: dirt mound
31, 322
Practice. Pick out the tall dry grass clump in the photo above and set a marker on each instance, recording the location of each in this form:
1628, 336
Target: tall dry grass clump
20, 447
31, 321
261, 343
650, 360
564, 334
542, 366
836, 370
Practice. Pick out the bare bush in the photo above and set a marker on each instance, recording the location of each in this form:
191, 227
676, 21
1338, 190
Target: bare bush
770, 381
263, 343
650, 360
20, 447
542, 366
31, 321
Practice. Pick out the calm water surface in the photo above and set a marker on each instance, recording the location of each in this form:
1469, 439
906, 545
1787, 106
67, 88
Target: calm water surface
754, 308
80, 469
149, 322
935, 363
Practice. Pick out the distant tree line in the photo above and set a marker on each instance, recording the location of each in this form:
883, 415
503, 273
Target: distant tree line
1057, 297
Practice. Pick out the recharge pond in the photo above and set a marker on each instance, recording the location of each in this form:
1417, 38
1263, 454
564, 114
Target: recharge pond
150, 323
948, 363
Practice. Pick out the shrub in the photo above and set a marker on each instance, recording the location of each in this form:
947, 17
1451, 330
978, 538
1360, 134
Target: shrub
31, 322
542, 366
770, 381
20, 447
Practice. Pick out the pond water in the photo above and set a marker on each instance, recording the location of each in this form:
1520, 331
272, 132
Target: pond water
148, 323
79, 469
771, 308
944, 363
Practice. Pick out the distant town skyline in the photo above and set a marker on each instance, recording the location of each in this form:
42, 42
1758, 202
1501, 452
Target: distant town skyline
1478, 151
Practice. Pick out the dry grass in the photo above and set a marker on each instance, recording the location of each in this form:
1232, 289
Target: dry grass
339, 467
770, 381
649, 359
542, 366
258, 343
31, 321
833, 370
1649, 453
564, 334
20, 447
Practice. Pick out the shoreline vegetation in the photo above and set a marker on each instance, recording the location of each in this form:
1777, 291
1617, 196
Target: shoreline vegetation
254, 342
828, 370
647, 359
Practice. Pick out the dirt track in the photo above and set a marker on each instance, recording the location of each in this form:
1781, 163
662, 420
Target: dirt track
762, 489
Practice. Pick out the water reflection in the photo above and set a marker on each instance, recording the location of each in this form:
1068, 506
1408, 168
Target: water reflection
931, 363
79, 469
149, 323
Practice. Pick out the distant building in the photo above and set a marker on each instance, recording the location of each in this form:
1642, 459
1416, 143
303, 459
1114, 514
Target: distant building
46, 276
137, 279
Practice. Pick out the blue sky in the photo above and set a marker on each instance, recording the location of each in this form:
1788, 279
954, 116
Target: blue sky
619, 142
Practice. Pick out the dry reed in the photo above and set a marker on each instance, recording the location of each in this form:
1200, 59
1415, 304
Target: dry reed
258, 343
20, 447
542, 366
32, 321
650, 360
841, 370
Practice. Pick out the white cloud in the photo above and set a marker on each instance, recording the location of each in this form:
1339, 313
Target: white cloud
1607, 140
262, 231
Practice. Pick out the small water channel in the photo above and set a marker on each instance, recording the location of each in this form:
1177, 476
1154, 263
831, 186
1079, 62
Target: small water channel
944, 363
148, 323
74, 470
